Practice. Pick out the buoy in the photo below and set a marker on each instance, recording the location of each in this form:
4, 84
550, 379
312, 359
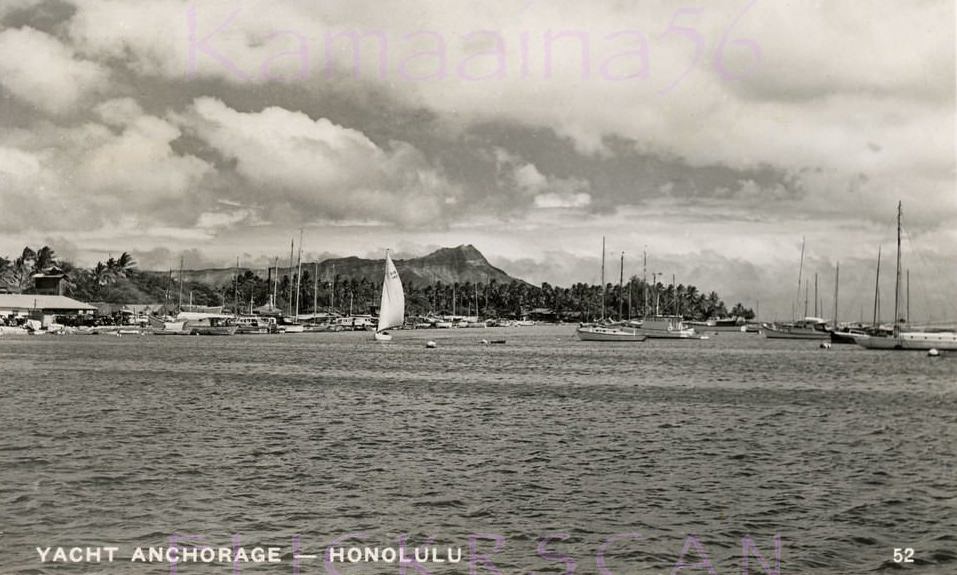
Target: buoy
933, 352
826, 345
430, 344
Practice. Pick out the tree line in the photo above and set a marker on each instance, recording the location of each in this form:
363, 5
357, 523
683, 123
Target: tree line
117, 280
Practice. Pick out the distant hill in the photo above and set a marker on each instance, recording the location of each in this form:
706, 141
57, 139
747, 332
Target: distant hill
446, 265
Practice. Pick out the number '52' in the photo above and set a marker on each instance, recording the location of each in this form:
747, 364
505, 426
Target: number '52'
695, 37
904, 555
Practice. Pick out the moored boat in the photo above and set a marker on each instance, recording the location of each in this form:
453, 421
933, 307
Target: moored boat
664, 327
207, 323
731, 324
907, 340
910, 341
255, 325
608, 333
813, 328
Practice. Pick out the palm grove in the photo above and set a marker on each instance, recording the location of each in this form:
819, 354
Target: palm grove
117, 280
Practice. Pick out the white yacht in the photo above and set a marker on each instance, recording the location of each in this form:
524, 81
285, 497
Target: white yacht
907, 340
664, 327
608, 333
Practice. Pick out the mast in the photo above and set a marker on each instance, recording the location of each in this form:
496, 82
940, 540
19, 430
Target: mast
275, 283
621, 285
837, 281
315, 292
169, 282
907, 317
603, 278
674, 290
236, 290
877, 288
654, 280
644, 282
292, 243
897, 283
805, 297
816, 310
299, 275
800, 277
180, 304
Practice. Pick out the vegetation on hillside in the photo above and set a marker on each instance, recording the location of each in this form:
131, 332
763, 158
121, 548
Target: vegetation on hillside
117, 280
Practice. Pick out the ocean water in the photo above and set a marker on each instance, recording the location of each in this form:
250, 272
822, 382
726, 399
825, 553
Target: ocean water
629, 457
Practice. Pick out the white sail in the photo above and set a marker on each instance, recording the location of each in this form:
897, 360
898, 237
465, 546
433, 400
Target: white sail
392, 307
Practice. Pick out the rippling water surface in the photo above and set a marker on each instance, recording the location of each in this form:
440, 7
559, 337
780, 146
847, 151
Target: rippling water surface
844, 454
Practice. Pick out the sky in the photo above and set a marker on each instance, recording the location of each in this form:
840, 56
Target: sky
715, 137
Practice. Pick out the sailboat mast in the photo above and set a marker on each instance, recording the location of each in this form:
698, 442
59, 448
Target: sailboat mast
877, 288
236, 290
907, 317
169, 282
315, 291
292, 243
806, 287
674, 291
897, 282
621, 285
299, 275
816, 310
603, 278
644, 282
800, 277
275, 283
837, 282
180, 304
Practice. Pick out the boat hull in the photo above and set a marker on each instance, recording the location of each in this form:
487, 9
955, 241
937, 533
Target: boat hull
911, 341
845, 338
383, 336
213, 330
664, 327
658, 334
608, 334
799, 333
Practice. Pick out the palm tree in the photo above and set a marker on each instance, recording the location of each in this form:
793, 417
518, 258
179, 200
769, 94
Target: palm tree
45, 258
123, 266
6, 272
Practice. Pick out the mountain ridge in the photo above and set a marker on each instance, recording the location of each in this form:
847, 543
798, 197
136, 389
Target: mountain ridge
462, 263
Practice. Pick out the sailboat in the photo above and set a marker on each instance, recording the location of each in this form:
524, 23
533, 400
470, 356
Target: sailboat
807, 328
392, 304
602, 332
907, 340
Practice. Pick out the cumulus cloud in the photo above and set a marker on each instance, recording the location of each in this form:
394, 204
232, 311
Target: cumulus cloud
42, 71
523, 185
786, 119
78, 177
307, 169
